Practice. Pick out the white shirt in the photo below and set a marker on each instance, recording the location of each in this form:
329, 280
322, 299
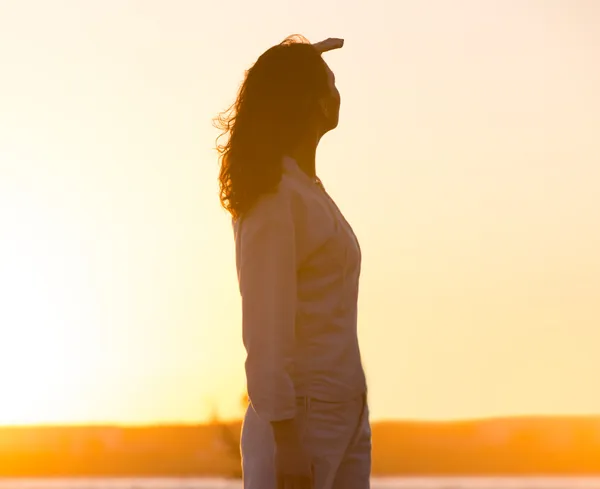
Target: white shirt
298, 264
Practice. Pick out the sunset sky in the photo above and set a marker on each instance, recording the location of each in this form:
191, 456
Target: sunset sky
467, 160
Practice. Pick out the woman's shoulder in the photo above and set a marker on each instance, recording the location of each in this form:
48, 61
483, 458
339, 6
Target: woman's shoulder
270, 207
283, 200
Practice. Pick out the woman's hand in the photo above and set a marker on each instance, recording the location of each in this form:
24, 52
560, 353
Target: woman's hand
328, 45
292, 462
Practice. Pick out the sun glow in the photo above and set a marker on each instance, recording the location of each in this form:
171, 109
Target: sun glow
42, 356
468, 171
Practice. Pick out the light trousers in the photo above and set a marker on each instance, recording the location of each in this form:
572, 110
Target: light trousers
337, 436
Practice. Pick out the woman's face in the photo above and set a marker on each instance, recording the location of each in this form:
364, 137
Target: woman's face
330, 105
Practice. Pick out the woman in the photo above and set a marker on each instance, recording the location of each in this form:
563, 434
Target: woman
298, 264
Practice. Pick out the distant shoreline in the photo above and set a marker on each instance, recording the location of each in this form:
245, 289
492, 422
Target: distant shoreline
497, 447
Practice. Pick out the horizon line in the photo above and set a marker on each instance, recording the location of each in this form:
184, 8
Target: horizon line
233, 420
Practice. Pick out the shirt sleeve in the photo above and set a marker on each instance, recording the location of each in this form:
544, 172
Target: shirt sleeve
266, 262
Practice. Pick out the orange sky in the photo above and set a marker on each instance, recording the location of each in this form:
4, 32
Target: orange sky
467, 160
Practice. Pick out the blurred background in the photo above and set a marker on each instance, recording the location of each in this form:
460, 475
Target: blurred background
467, 160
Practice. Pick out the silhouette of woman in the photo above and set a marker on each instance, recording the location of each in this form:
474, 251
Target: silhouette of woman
298, 264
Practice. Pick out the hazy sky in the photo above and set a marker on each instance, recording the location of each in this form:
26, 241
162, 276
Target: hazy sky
467, 159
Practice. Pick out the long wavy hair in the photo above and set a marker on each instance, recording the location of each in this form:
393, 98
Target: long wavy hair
275, 109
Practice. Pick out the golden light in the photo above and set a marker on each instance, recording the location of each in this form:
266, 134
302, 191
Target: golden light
42, 354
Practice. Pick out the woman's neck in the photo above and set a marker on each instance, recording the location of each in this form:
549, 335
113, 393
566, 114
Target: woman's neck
305, 156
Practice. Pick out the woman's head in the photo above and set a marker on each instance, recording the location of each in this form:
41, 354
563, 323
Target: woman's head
288, 98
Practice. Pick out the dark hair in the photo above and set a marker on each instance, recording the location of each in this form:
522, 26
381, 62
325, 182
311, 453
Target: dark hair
273, 112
